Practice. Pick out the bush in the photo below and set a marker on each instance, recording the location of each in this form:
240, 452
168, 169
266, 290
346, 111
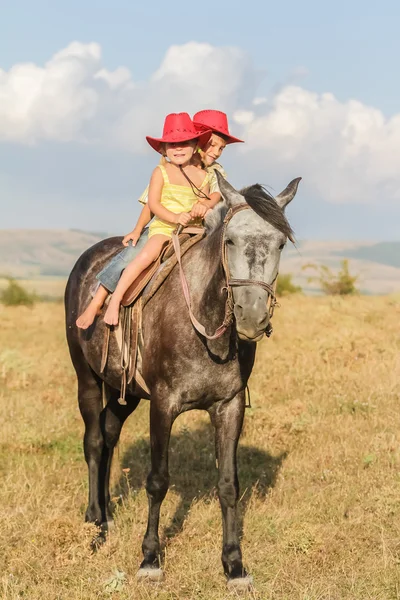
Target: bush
285, 285
16, 295
341, 283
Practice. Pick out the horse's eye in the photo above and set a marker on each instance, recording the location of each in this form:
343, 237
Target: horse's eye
229, 242
281, 247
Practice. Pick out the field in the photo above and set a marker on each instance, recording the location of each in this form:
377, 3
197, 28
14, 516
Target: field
319, 468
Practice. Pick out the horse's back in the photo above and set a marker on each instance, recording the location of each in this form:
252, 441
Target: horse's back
90, 263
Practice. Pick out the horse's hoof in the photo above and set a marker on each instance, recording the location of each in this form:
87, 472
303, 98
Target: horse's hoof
240, 584
149, 574
98, 541
101, 537
108, 525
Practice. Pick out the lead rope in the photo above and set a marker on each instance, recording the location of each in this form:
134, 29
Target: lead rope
125, 351
247, 404
186, 294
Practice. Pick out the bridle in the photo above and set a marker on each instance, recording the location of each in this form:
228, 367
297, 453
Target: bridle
230, 282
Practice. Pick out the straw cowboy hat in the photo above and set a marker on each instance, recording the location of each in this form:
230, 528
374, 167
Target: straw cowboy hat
179, 127
215, 120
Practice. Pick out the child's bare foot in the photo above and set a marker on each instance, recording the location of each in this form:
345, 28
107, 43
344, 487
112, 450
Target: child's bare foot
112, 313
88, 316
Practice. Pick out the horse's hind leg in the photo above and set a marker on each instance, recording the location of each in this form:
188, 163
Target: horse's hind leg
161, 420
228, 420
102, 429
112, 419
90, 399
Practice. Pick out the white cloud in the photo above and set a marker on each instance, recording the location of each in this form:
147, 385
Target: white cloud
74, 97
115, 79
50, 102
243, 117
344, 150
259, 100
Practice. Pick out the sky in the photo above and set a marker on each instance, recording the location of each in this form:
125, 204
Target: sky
311, 87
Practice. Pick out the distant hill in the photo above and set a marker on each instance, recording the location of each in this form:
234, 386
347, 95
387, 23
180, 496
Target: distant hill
44, 254
377, 264
385, 253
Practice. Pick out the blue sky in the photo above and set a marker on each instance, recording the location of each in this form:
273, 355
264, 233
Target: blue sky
312, 86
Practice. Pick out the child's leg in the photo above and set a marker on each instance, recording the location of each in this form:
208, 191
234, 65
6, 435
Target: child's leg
147, 255
89, 315
110, 274
109, 277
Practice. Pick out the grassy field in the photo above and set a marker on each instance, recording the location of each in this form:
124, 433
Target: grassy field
319, 468
49, 287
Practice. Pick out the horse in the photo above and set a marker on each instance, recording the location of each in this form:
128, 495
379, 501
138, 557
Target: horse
230, 275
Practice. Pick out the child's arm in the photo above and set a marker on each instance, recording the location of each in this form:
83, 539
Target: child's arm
203, 205
155, 191
215, 197
144, 219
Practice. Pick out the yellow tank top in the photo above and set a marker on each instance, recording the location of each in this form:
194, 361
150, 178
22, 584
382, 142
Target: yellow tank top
177, 199
212, 181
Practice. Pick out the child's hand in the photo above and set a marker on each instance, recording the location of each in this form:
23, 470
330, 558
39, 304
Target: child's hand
183, 218
133, 235
199, 210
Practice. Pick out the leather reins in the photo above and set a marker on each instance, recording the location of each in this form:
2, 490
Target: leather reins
230, 282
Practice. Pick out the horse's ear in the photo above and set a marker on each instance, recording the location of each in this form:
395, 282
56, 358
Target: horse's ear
229, 194
288, 193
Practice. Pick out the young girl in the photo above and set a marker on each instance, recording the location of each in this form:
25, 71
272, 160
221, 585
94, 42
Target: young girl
205, 120
178, 194
215, 121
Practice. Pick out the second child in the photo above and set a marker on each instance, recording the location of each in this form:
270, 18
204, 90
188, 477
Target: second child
177, 194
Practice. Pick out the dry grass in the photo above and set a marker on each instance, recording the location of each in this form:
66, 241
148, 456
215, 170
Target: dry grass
50, 287
319, 468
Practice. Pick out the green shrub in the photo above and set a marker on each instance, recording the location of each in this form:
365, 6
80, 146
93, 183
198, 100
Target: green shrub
341, 283
15, 295
285, 285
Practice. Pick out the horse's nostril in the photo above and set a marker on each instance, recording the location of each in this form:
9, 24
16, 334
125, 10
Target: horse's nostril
262, 321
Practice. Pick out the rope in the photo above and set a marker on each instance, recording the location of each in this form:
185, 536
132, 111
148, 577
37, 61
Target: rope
196, 191
125, 351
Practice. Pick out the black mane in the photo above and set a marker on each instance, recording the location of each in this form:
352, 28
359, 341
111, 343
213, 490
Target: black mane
265, 206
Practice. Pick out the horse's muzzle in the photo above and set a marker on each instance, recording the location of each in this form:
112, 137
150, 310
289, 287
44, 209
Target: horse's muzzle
251, 321
247, 336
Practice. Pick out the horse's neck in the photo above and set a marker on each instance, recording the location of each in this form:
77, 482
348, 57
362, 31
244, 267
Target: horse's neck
207, 279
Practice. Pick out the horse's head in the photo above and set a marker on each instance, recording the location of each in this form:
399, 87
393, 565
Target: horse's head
254, 241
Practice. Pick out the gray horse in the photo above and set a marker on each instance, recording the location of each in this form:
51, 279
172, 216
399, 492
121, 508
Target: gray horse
184, 370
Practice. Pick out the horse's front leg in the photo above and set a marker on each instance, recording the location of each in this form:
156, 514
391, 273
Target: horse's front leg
161, 420
228, 420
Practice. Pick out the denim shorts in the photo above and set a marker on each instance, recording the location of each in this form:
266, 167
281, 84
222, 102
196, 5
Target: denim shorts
111, 273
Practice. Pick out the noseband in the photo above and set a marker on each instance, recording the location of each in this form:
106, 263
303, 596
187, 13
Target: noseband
230, 282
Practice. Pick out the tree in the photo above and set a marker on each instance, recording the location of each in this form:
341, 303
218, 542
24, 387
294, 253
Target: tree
285, 285
341, 283
15, 295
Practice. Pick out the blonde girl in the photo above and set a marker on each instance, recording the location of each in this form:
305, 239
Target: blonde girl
178, 191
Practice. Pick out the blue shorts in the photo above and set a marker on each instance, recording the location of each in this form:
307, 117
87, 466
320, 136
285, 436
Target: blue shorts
111, 273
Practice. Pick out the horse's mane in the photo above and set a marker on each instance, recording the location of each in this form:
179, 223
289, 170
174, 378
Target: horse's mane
263, 204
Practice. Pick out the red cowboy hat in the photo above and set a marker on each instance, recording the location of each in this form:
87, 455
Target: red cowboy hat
179, 127
215, 120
